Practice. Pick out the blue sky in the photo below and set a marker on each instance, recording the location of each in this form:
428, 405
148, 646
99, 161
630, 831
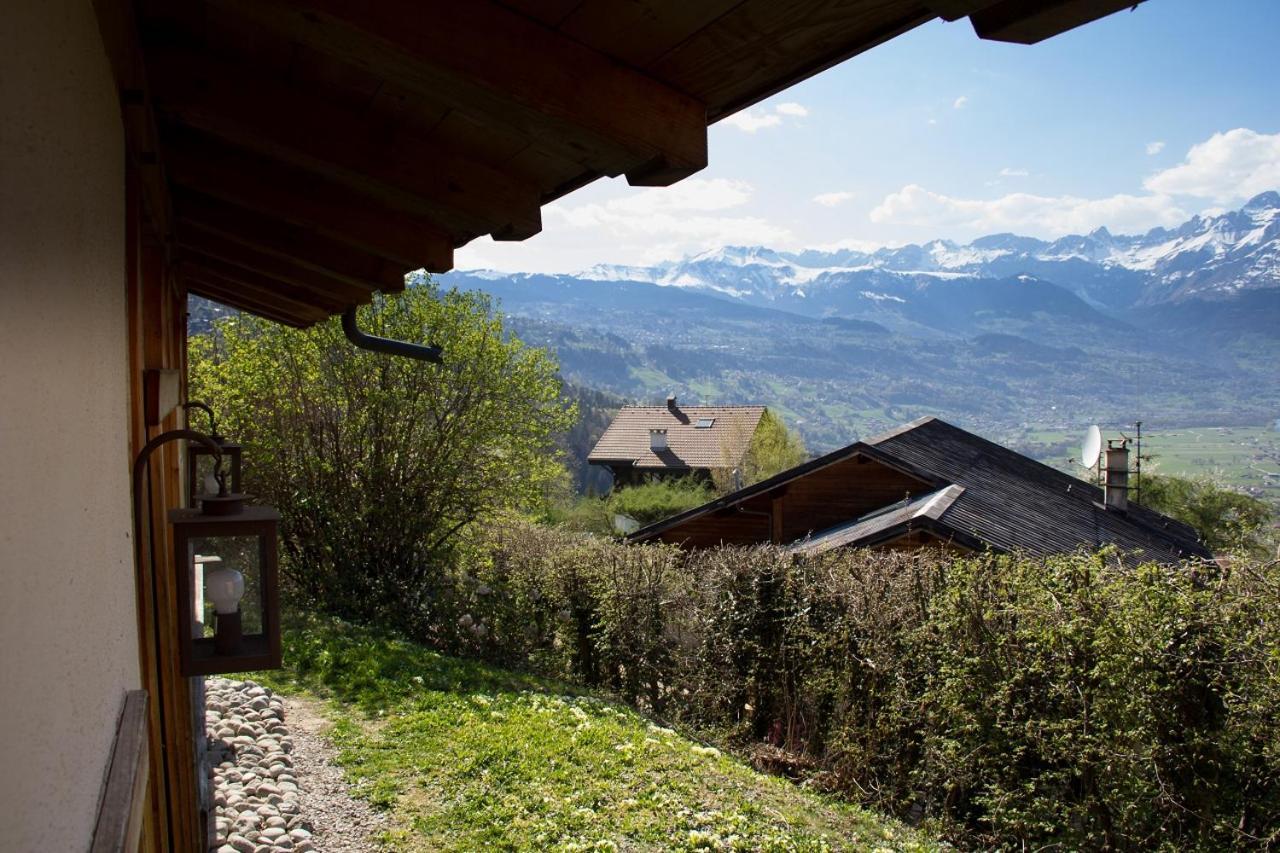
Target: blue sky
1138, 120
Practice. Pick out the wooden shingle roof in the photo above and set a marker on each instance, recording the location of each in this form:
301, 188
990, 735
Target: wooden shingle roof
985, 494
723, 444
1013, 503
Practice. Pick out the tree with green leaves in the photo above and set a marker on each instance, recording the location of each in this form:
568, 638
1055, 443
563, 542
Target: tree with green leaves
771, 449
379, 464
1227, 520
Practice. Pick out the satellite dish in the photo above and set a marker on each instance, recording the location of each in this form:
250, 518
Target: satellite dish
1092, 447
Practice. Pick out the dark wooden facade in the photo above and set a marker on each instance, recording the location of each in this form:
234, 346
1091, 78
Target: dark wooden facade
791, 511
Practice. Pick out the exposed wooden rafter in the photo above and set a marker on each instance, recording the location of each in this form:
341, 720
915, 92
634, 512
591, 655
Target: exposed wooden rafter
489, 61
248, 108
1031, 21
282, 311
338, 291
299, 246
326, 145
279, 191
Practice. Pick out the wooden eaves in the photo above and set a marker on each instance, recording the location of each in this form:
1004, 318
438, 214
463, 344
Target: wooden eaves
299, 156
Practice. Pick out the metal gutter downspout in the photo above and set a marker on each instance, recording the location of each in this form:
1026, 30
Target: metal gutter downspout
421, 352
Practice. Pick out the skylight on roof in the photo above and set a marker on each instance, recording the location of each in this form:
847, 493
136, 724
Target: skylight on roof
704, 423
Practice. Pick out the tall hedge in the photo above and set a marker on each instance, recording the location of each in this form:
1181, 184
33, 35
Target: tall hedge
1014, 702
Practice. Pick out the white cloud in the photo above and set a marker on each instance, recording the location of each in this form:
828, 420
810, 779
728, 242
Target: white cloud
1026, 213
933, 121
865, 246
833, 199
749, 121
1226, 168
1006, 172
686, 214
752, 120
1156, 147
961, 102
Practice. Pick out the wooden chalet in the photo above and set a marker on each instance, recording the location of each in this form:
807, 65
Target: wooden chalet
644, 442
289, 158
931, 484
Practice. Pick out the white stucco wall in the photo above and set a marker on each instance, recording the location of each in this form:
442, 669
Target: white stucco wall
68, 629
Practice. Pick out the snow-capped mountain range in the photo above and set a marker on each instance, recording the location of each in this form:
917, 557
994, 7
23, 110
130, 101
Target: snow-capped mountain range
1208, 258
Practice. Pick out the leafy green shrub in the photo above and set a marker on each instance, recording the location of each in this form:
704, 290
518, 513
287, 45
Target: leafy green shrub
659, 499
1014, 702
380, 464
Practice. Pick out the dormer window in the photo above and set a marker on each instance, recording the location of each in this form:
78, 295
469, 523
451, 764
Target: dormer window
657, 439
704, 423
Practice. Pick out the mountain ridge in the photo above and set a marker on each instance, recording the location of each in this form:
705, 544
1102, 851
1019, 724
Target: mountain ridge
1206, 258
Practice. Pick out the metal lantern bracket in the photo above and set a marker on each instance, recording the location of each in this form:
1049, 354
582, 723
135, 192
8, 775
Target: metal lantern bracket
139, 470
213, 421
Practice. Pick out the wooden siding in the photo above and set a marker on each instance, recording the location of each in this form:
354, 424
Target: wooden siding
822, 499
157, 339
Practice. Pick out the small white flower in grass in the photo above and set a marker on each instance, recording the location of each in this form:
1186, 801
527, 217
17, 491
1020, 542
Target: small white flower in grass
418, 679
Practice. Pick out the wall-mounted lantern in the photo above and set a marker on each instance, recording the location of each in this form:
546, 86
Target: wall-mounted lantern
201, 479
225, 560
237, 627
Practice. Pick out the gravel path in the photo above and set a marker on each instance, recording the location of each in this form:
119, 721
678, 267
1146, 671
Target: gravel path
339, 822
275, 786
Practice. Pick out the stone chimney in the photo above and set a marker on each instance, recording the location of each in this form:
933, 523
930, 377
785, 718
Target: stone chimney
671, 403
1116, 482
658, 439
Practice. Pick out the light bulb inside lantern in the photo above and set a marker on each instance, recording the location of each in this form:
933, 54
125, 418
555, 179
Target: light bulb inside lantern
225, 588
211, 484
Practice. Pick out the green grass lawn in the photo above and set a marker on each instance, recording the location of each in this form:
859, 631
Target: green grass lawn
470, 757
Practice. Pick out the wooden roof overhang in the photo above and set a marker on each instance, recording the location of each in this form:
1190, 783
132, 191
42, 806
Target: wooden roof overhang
298, 155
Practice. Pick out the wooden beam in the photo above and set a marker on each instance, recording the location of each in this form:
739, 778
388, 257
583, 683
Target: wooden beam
252, 109
477, 55
339, 291
1031, 21
255, 299
222, 171
117, 25
252, 281
954, 10
300, 246
775, 521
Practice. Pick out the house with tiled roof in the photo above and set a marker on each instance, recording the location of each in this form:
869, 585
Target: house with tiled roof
930, 483
643, 442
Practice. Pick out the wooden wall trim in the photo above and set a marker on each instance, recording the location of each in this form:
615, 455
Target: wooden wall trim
124, 796
157, 341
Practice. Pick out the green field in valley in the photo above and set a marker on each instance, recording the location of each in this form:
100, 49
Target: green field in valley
1246, 458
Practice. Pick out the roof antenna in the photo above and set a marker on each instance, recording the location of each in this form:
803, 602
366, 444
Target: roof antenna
421, 352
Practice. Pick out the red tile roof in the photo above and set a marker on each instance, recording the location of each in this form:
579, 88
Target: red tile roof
722, 445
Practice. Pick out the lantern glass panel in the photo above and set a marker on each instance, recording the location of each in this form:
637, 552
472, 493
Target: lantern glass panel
200, 466
243, 539
241, 553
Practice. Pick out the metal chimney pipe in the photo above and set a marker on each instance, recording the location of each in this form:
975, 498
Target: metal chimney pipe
1116, 484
